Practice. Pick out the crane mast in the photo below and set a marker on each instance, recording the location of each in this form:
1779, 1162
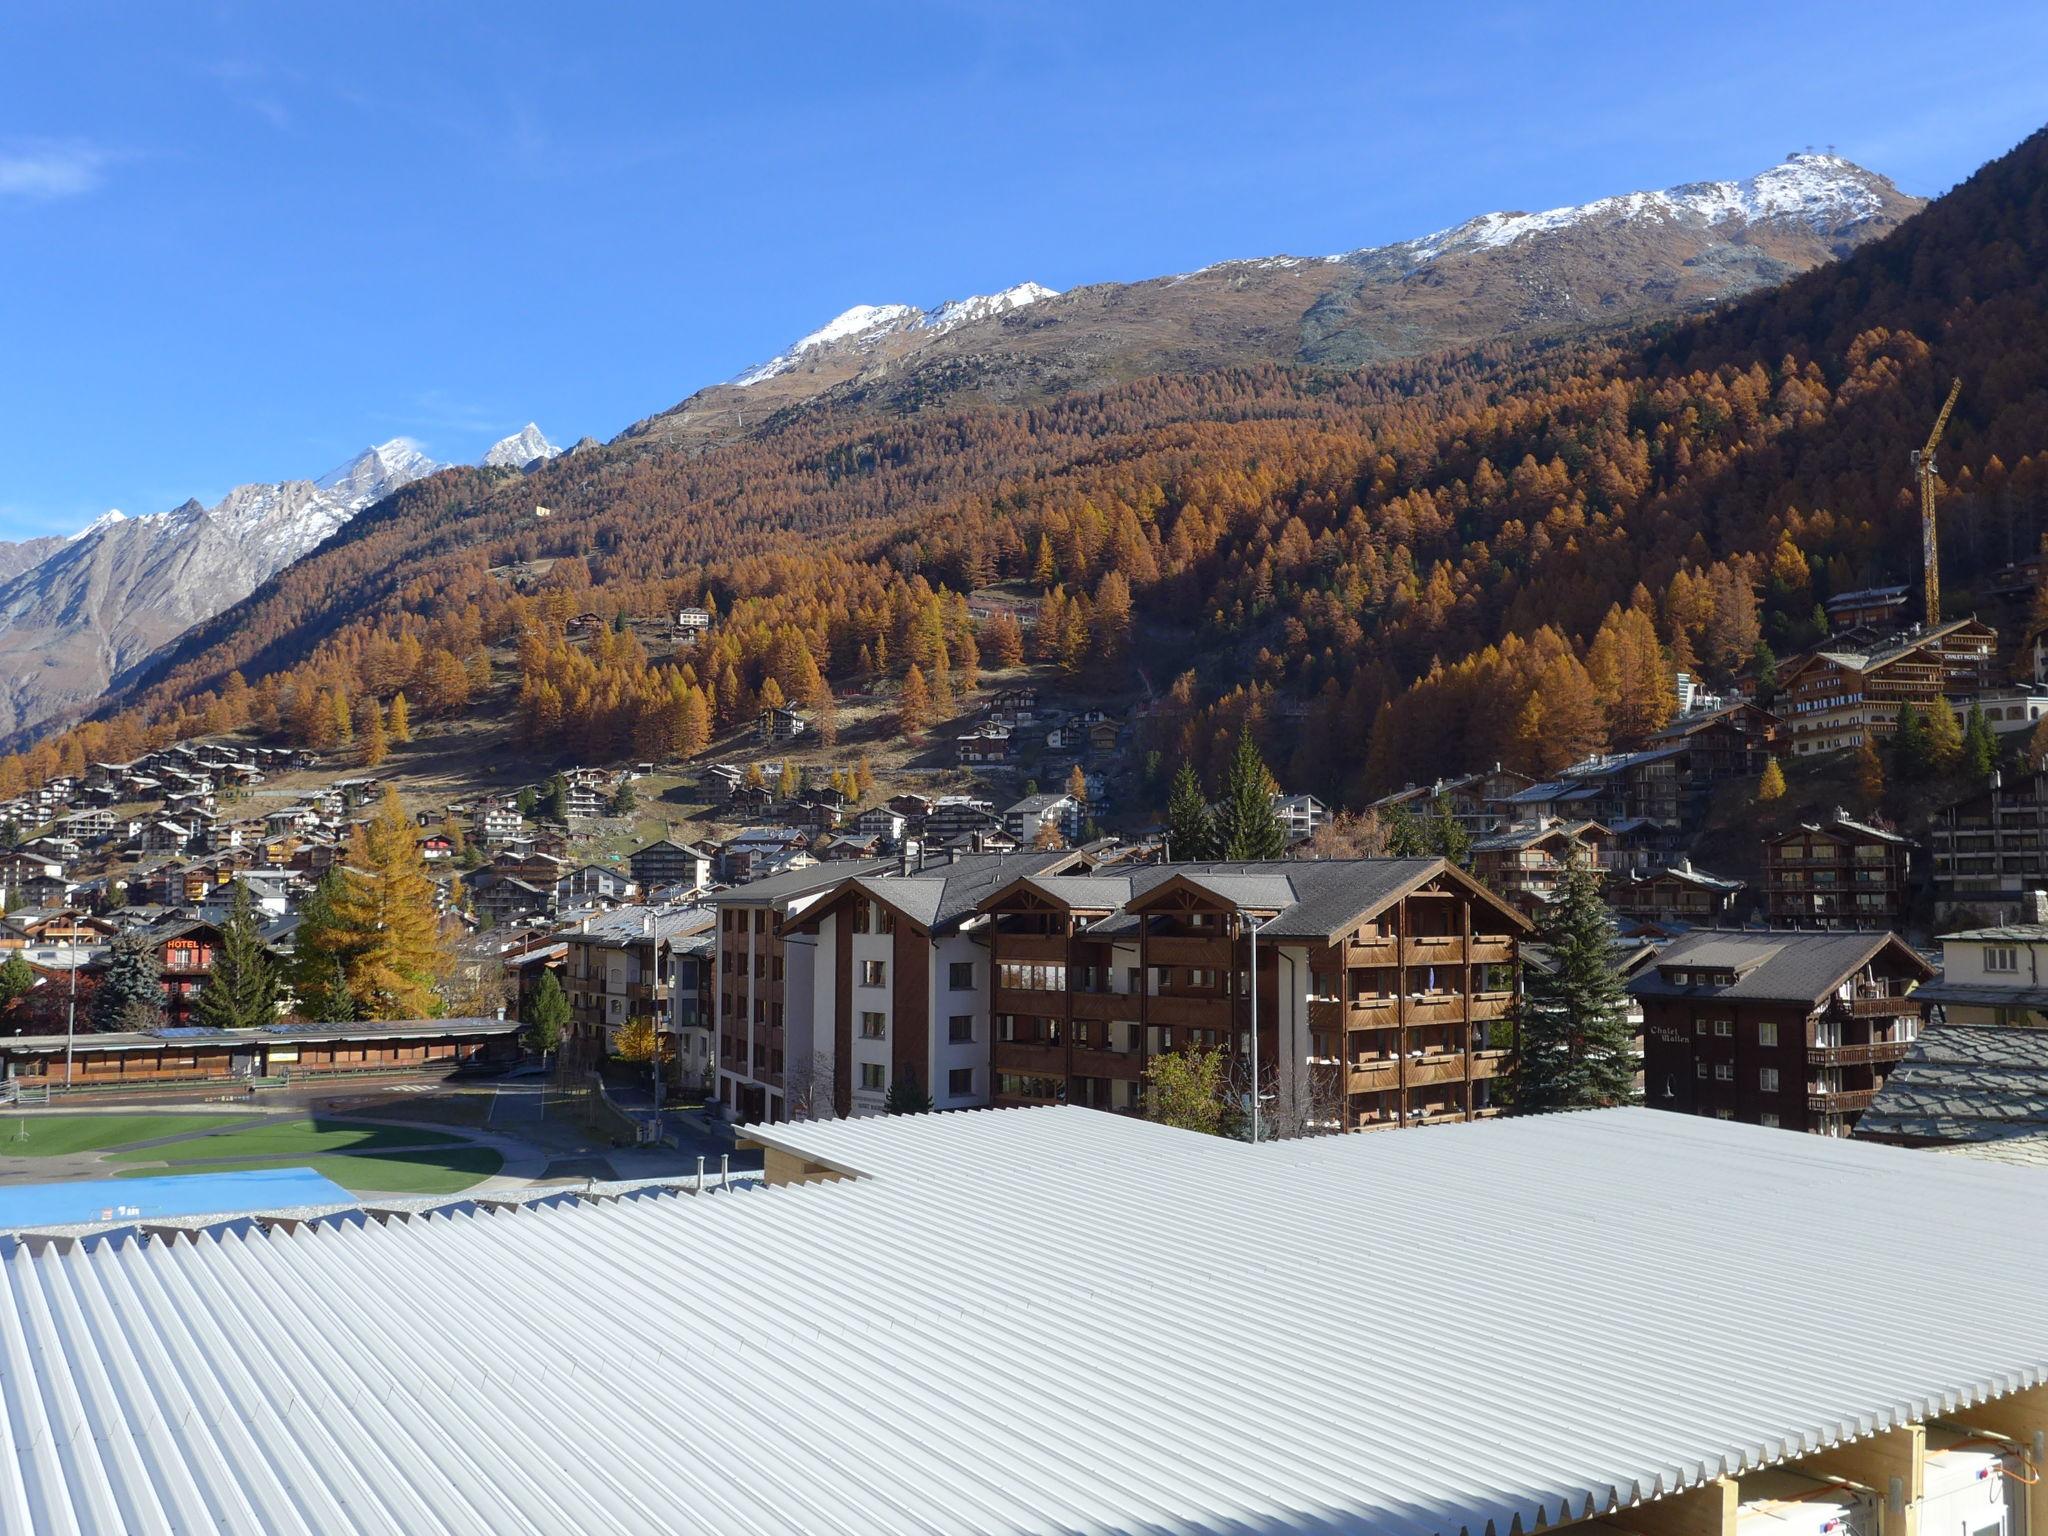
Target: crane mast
1925, 472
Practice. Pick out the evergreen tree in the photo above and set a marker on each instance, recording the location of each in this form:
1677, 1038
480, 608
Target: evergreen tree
1406, 837
905, 1097
552, 804
17, 980
1447, 835
1576, 1049
547, 1015
1912, 757
1188, 828
1980, 745
1246, 826
1944, 737
130, 994
241, 988
1765, 661
395, 952
623, 798
321, 950
1771, 786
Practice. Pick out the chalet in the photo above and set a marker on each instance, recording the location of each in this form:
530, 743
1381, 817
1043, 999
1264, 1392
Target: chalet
725, 777
779, 722
667, 863
1731, 742
1834, 697
496, 824
950, 816
1104, 737
583, 802
1017, 706
1478, 801
986, 743
1881, 608
1674, 894
1839, 873
165, 837
1525, 864
185, 950
1797, 1030
752, 799
1027, 819
879, 821
814, 815
595, 884
89, 825
911, 807
505, 899
436, 846
692, 622
763, 850
853, 846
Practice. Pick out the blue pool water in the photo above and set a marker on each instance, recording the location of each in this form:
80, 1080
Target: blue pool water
191, 1194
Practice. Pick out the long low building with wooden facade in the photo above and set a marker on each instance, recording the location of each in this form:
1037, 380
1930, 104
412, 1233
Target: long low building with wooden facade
286, 1050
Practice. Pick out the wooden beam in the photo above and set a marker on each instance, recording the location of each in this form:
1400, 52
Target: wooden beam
1894, 1463
1708, 1510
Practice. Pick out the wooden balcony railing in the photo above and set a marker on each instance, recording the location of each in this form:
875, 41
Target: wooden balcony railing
1373, 1076
1372, 952
1427, 1071
1842, 1101
1214, 952
1857, 1055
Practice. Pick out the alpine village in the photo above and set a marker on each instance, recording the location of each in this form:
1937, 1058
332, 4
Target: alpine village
830, 934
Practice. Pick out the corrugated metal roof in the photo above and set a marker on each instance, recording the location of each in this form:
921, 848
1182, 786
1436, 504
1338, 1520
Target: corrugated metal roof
1033, 1320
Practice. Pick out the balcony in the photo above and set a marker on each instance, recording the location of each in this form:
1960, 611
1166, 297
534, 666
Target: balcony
1211, 953
1857, 1055
1437, 1008
1488, 949
1325, 1013
1203, 1012
1490, 1063
1436, 949
1428, 1071
1104, 1005
1846, 1101
1031, 1059
1877, 1005
1022, 947
1373, 951
1030, 1004
1092, 1062
1491, 1005
1373, 1076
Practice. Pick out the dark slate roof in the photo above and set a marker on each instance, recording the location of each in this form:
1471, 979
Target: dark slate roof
1965, 1083
941, 895
1327, 894
1769, 966
798, 882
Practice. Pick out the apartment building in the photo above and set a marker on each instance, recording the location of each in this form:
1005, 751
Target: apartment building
1787, 1029
899, 984
1989, 849
1671, 894
758, 1035
1832, 698
1477, 801
666, 862
621, 965
1383, 986
1840, 873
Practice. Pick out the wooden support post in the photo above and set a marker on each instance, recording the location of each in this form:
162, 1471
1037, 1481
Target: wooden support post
1894, 1463
2024, 1417
1708, 1510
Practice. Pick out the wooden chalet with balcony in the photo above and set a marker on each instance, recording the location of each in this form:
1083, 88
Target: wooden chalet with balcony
1840, 873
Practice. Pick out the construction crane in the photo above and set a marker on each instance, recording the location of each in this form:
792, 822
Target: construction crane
1928, 476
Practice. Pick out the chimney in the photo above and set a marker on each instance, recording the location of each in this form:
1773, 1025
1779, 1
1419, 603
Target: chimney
2034, 906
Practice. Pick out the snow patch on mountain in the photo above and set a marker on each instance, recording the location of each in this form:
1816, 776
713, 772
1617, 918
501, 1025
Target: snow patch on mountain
1823, 191
865, 324
520, 449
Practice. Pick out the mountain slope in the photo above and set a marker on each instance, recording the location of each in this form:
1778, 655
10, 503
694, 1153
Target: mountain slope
1608, 263
74, 620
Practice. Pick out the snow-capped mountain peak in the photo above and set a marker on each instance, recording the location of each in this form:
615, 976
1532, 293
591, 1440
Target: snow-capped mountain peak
520, 449
106, 519
1822, 191
866, 324
375, 473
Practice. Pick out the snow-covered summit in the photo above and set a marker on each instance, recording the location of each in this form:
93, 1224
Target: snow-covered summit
376, 472
1822, 191
106, 519
865, 324
520, 449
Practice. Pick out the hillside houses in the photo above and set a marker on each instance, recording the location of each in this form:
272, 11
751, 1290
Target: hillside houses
1834, 697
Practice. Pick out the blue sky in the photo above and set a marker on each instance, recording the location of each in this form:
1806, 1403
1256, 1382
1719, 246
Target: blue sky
241, 241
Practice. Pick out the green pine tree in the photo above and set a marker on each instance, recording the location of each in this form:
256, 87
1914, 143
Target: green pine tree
130, 994
17, 980
1575, 1046
553, 802
1407, 838
241, 988
1246, 827
1912, 757
547, 1015
1447, 835
1188, 828
1980, 745
905, 1097
623, 799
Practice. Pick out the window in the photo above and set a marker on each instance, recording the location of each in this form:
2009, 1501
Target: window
960, 1082
2000, 957
1699, 1026
960, 976
1767, 1033
1767, 1080
960, 1029
1699, 1069
1724, 1071
1724, 1027
873, 1026
874, 973
872, 1074
1724, 1114
1767, 1118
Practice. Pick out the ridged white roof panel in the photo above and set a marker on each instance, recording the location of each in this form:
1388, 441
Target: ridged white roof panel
1046, 1320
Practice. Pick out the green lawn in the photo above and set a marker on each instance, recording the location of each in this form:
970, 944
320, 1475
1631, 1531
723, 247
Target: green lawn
430, 1171
290, 1139
53, 1135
